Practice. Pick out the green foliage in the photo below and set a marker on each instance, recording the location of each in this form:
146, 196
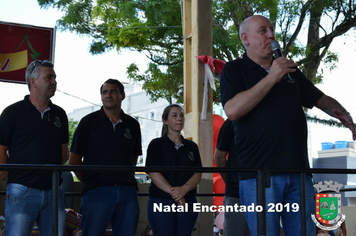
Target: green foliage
158, 84
305, 28
72, 125
330, 60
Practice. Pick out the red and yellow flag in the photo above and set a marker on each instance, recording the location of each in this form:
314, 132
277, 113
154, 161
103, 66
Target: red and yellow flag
19, 46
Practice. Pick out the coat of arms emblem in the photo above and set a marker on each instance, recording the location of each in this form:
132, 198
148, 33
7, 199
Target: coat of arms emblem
328, 206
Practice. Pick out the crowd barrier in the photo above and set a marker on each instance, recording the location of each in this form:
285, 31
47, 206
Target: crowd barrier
262, 182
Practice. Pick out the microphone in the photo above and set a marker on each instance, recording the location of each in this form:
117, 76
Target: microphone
277, 52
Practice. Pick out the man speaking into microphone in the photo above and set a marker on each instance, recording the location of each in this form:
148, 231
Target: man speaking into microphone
270, 125
277, 53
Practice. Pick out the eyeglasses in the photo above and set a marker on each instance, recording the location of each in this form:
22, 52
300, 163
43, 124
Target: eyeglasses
35, 64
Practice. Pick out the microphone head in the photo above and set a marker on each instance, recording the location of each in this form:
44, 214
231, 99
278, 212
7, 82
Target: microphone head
275, 45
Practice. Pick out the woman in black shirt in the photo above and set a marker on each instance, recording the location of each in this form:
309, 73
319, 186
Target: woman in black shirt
172, 194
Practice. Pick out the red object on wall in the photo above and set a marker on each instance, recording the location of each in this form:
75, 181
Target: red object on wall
215, 65
19, 46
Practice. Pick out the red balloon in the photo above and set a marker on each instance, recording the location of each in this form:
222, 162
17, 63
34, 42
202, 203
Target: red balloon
218, 187
218, 121
216, 134
214, 165
218, 201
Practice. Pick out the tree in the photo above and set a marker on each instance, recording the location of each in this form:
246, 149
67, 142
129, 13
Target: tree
154, 27
72, 125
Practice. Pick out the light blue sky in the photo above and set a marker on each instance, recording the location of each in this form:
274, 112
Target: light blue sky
81, 74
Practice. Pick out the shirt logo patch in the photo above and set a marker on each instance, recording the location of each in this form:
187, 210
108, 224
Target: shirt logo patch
57, 122
191, 156
127, 134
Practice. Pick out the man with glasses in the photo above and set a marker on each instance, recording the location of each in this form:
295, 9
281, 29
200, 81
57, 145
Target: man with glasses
33, 131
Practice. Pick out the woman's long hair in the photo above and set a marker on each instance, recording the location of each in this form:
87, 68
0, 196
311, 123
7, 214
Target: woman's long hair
165, 117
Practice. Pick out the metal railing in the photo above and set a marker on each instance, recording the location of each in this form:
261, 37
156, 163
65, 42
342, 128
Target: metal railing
263, 181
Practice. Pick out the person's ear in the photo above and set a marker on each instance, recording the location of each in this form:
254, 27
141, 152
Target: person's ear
244, 38
122, 96
32, 83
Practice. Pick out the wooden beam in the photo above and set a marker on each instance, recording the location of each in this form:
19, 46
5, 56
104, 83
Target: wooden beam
197, 32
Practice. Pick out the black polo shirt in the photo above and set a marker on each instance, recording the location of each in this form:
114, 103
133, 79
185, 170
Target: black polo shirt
33, 140
274, 134
226, 143
162, 152
102, 143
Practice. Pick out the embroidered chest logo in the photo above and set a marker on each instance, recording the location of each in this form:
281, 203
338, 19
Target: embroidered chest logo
57, 122
128, 134
191, 156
